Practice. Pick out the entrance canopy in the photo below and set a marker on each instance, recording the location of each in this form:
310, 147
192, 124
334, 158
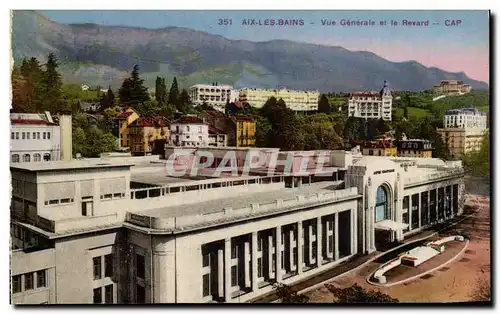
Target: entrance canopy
390, 225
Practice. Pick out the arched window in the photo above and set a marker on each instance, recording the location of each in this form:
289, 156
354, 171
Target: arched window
381, 205
26, 158
46, 157
15, 158
37, 158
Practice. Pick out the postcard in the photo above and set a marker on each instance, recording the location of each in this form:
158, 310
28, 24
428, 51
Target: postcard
173, 157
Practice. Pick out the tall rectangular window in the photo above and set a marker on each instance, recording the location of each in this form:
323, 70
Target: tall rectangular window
108, 265
44, 135
108, 294
140, 265
48, 135
28, 135
23, 135
206, 259
17, 135
259, 267
28, 281
12, 135
140, 294
97, 267
98, 295
40, 278
206, 285
16, 284
234, 276
34, 135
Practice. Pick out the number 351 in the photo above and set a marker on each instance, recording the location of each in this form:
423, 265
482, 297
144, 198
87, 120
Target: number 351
225, 21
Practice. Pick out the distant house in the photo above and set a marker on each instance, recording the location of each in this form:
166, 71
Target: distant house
147, 133
189, 131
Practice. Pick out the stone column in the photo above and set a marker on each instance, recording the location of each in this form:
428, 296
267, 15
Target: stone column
409, 211
160, 280
270, 255
419, 210
246, 259
300, 243
227, 269
336, 235
254, 262
319, 239
445, 203
290, 249
278, 254
310, 228
220, 273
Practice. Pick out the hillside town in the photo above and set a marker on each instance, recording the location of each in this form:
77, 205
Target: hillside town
211, 194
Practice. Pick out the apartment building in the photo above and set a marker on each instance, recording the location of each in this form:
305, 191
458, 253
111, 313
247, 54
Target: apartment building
415, 148
215, 95
463, 130
380, 147
371, 105
38, 138
295, 100
452, 87
82, 231
239, 130
189, 131
146, 132
123, 120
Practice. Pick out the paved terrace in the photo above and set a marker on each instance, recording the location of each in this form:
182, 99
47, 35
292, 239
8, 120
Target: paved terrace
238, 207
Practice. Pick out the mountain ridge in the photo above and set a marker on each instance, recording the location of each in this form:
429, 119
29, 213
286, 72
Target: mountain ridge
103, 55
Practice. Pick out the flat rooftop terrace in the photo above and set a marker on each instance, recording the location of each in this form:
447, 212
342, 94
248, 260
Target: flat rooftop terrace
67, 165
237, 200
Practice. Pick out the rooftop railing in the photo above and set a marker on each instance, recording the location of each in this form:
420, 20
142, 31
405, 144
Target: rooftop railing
229, 214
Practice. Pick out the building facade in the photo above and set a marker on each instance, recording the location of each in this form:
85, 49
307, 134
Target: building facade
452, 87
123, 120
189, 131
463, 130
466, 118
294, 99
82, 234
371, 105
215, 95
245, 128
38, 138
415, 148
145, 131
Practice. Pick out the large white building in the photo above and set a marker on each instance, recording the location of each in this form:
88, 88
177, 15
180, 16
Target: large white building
465, 118
189, 131
294, 99
371, 105
215, 95
463, 130
101, 231
36, 137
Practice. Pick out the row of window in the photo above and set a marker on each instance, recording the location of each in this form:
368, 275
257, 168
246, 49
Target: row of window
60, 201
103, 265
26, 135
108, 294
27, 157
29, 281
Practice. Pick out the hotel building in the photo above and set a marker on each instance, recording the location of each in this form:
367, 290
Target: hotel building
215, 95
415, 148
38, 138
101, 231
463, 130
452, 87
189, 131
371, 105
294, 100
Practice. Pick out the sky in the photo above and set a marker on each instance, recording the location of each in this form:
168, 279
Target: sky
462, 45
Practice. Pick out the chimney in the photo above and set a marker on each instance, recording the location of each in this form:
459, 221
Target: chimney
65, 125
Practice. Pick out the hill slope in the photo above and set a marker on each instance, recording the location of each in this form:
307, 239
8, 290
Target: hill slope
102, 55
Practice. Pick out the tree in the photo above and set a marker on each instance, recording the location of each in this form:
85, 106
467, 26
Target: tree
52, 97
356, 294
173, 95
288, 295
184, 103
406, 114
263, 132
31, 73
160, 90
324, 105
133, 92
19, 93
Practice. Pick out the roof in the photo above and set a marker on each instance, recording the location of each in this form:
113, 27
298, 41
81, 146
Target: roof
189, 120
66, 165
235, 201
31, 122
212, 129
243, 118
149, 121
124, 115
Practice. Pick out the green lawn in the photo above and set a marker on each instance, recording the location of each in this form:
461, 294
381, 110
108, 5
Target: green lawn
413, 112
